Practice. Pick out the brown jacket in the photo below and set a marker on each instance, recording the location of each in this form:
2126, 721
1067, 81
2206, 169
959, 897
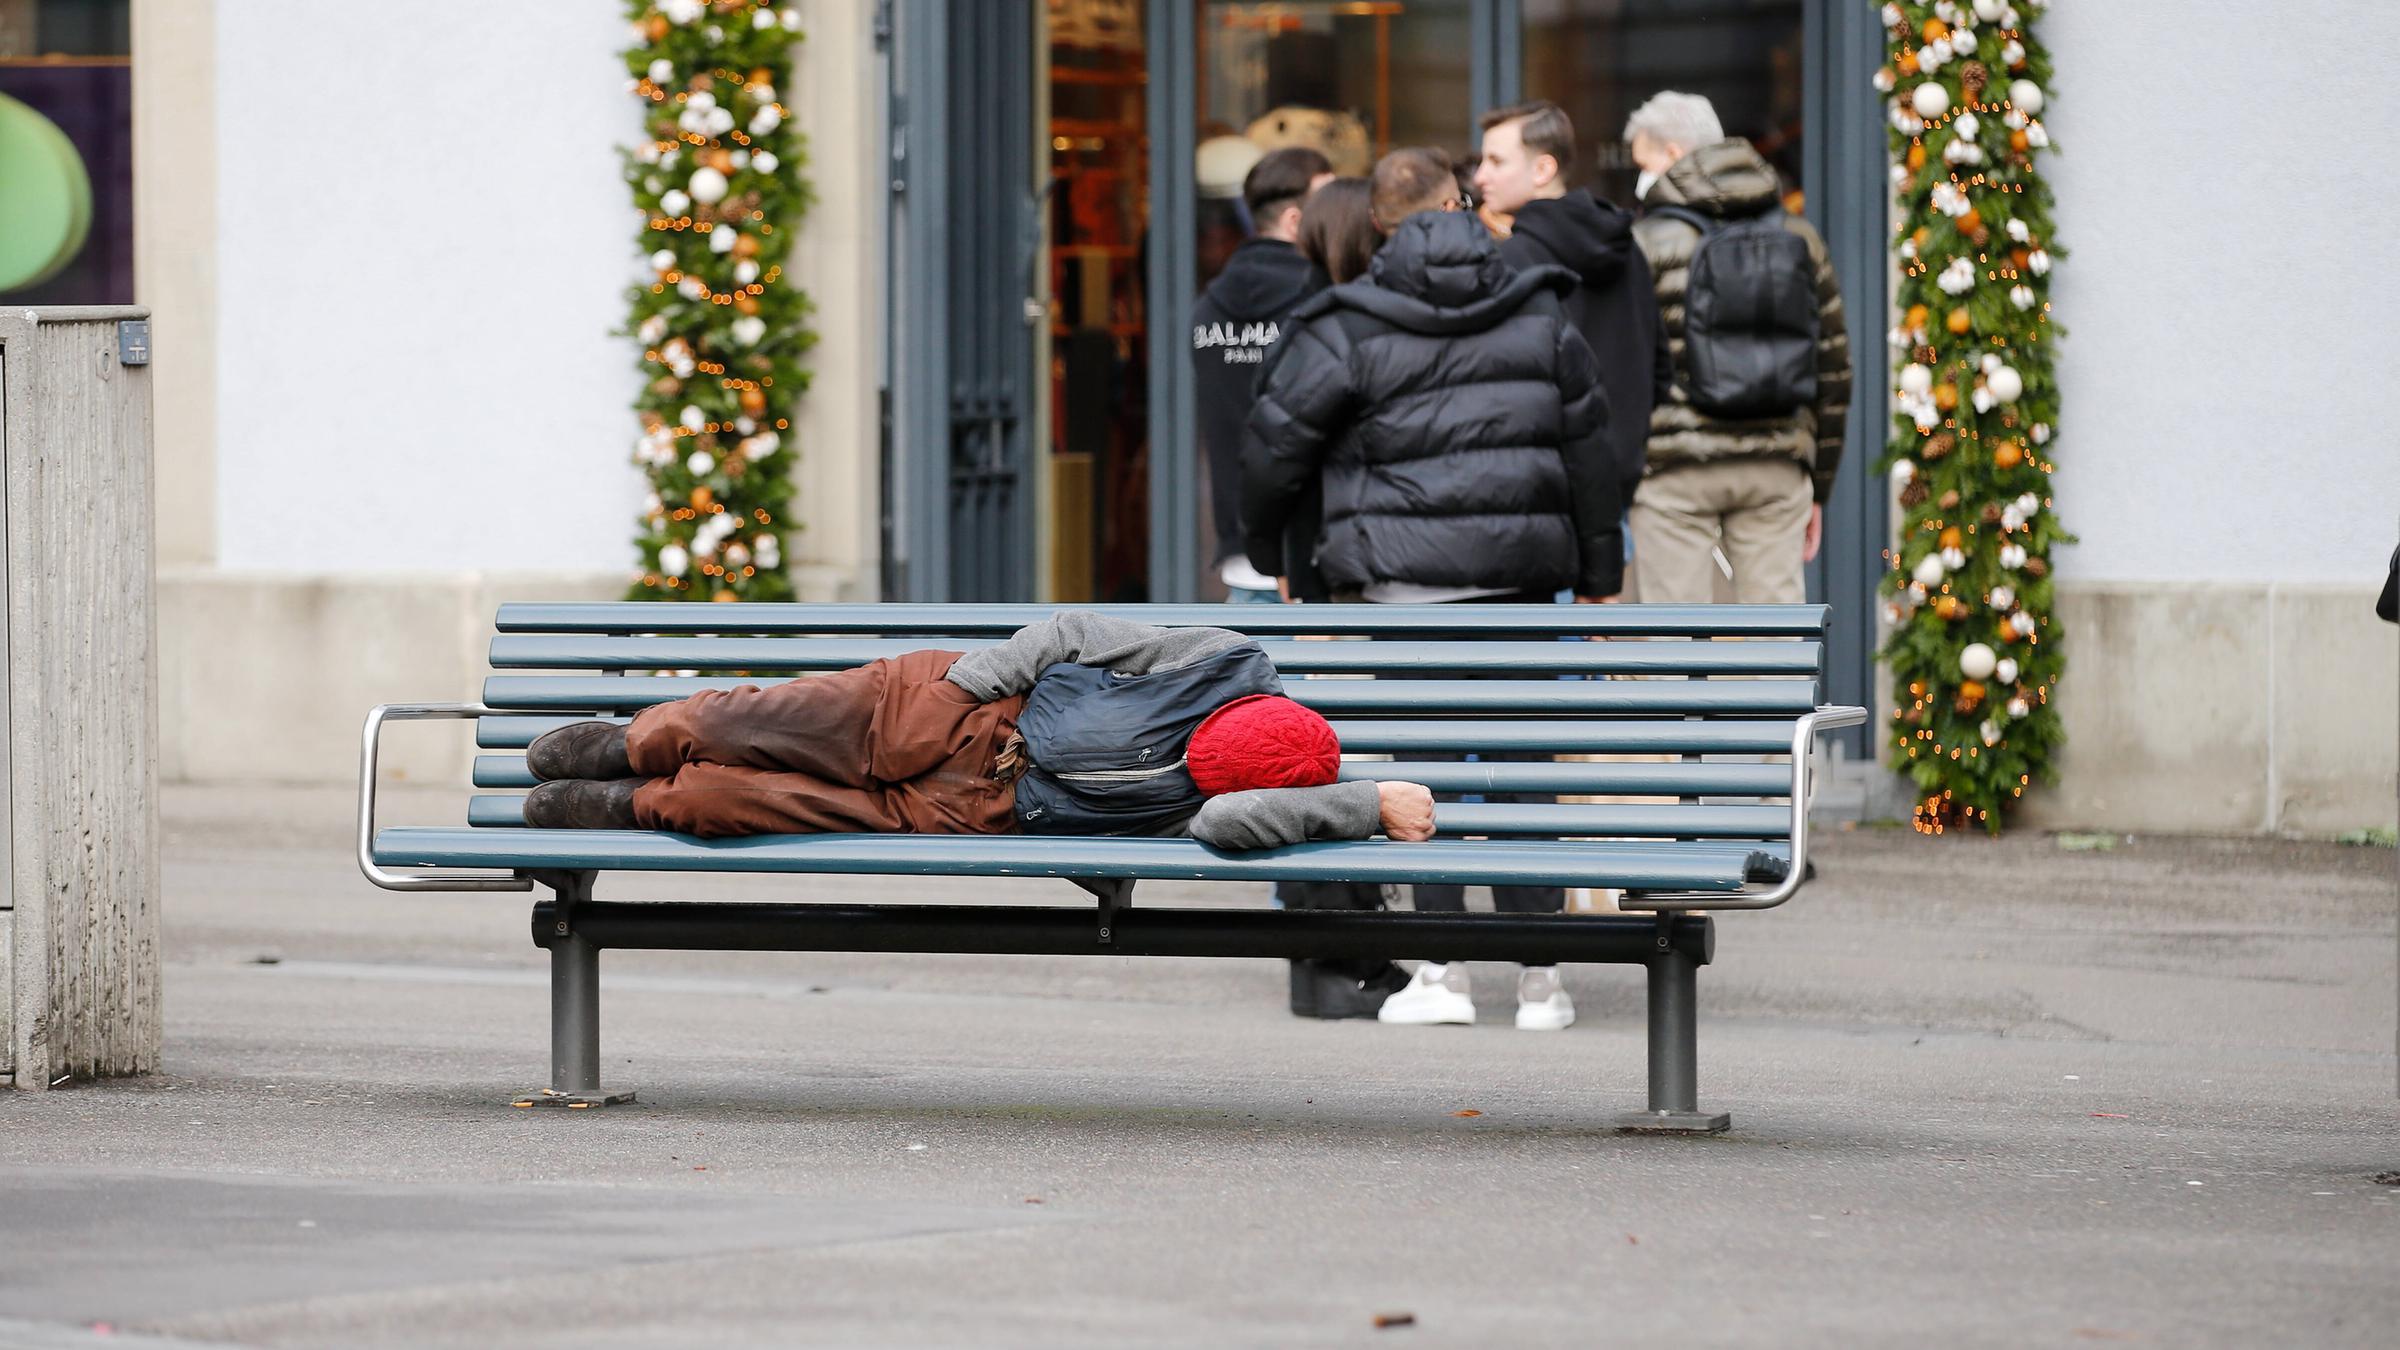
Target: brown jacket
1730, 179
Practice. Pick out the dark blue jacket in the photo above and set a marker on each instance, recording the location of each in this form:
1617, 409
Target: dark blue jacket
1106, 750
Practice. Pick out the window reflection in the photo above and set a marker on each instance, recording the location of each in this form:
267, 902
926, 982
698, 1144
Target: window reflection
66, 95
1599, 59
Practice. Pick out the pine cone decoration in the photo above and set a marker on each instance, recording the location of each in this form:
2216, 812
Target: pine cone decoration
1939, 444
1914, 494
2035, 567
1973, 76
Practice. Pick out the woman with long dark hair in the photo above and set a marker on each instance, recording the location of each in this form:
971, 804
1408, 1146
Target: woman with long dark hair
1337, 232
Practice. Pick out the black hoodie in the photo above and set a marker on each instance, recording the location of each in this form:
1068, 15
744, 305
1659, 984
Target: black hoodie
1234, 322
1455, 417
1613, 306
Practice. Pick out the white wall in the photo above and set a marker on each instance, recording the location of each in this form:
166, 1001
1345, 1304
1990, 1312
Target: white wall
2225, 184
424, 244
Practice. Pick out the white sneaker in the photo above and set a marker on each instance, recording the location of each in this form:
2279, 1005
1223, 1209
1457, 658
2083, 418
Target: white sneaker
1541, 1004
1431, 999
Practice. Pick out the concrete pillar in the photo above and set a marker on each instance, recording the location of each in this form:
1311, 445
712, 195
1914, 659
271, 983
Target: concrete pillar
79, 875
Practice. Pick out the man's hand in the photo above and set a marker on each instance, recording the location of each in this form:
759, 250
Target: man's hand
1407, 810
1816, 533
1283, 587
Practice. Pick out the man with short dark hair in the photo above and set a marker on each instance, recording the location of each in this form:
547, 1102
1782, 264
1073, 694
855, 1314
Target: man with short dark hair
1235, 321
1528, 151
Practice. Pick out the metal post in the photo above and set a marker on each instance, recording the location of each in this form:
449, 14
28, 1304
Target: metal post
574, 998
575, 1016
1674, 1053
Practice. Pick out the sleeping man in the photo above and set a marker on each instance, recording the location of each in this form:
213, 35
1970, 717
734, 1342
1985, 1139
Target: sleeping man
1078, 725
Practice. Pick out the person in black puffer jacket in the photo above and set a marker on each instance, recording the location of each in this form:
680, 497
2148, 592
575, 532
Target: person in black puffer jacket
1456, 418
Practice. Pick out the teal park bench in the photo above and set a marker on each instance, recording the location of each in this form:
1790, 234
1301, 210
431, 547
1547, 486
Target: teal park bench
1727, 833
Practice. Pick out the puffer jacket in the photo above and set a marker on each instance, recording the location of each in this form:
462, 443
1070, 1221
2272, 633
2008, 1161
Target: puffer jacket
1729, 179
1457, 420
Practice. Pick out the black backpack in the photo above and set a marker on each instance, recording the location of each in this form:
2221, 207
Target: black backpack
1749, 316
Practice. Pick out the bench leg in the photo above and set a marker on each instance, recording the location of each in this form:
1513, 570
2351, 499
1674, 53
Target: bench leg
1674, 1053
574, 1015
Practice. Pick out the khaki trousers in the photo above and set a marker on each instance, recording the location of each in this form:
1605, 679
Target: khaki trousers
1754, 509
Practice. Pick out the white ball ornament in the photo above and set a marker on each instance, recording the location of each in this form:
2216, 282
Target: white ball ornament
2041, 433
661, 71
748, 329
1930, 100
763, 20
764, 161
2019, 708
762, 445
2006, 670
2027, 96
681, 12
1929, 571
693, 418
790, 17
2003, 597
2006, 384
1990, 10
737, 556
1991, 362
767, 120
673, 202
1916, 378
663, 260
1977, 661
741, 159
708, 186
745, 272
720, 121
721, 240
652, 329
674, 560
701, 463
701, 100
692, 288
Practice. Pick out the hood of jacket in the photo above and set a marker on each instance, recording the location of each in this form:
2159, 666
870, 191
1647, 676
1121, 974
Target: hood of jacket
1440, 272
1262, 280
1729, 178
1590, 237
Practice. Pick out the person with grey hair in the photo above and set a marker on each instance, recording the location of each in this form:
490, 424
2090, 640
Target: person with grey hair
1743, 451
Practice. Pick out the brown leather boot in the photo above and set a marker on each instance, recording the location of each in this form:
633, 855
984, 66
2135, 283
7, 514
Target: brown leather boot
580, 804
590, 750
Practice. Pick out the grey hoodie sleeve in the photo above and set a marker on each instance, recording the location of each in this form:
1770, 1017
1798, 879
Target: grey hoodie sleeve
1086, 639
1274, 817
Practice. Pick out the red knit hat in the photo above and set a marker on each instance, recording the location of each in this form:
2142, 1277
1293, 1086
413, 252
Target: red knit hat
1262, 741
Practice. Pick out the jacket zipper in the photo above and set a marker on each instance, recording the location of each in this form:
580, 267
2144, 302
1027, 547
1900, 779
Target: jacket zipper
1117, 775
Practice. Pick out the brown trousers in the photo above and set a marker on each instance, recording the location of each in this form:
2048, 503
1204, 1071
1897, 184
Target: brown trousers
890, 747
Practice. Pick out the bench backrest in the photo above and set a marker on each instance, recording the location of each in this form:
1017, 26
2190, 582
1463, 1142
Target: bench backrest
1710, 695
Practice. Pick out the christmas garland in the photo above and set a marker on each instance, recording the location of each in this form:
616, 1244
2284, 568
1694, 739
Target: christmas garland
719, 193
1973, 652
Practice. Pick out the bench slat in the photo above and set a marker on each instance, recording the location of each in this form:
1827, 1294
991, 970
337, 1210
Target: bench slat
1802, 621
1453, 819
1376, 736
1637, 866
1429, 697
1621, 780
512, 731
582, 652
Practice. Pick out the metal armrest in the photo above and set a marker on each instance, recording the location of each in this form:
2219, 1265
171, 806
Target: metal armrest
1804, 735
369, 751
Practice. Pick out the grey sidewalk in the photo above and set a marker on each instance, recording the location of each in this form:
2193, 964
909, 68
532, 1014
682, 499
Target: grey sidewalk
1983, 1093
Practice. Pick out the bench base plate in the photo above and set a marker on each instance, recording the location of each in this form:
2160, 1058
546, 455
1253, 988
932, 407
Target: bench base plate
573, 1101
1674, 1122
